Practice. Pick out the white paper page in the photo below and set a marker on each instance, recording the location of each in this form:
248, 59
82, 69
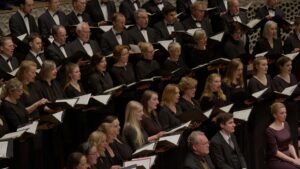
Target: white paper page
105, 28
218, 37
30, 128
84, 99
102, 98
253, 23
192, 31
261, 54
113, 89
165, 43
199, 66
3, 149
71, 102
139, 162
259, 93
208, 113
12, 135
289, 90
51, 39
58, 116
292, 55
14, 72
22, 37
242, 114
173, 138
150, 147
226, 108
179, 127
135, 48
177, 15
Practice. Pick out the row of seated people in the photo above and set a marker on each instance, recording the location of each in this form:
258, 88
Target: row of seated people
18, 108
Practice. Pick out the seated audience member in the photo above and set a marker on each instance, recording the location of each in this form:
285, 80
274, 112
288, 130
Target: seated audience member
122, 71
169, 24
58, 50
52, 16
36, 53
147, 67
77, 161
118, 143
133, 132
234, 46
150, 120
292, 42
91, 153
101, 11
8, 62
83, 42
197, 19
281, 154
22, 21
78, 14
170, 111
198, 156
141, 32
224, 150
128, 8
100, 80
155, 7
115, 36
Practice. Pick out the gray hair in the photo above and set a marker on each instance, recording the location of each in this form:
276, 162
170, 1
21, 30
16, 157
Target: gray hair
267, 26
174, 45
11, 86
47, 66
80, 25
192, 139
137, 12
199, 34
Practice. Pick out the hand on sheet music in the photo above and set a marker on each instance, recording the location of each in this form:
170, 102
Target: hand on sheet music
82, 62
249, 102
296, 50
194, 125
102, 23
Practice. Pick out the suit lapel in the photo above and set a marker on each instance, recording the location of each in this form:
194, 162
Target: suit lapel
23, 22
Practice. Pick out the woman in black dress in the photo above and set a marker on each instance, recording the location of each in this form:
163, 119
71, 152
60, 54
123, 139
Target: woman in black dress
270, 43
281, 153
91, 153
281, 81
170, 110
260, 116
77, 161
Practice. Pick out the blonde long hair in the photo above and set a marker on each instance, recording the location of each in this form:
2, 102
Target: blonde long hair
94, 139
207, 92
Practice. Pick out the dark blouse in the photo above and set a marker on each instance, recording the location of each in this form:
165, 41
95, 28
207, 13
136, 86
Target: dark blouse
279, 84
3, 126
146, 68
122, 148
99, 82
71, 91
255, 85
151, 124
51, 92
14, 114
130, 136
207, 103
169, 119
234, 48
189, 109
123, 75
198, 56
170, 66
291, 43
263, 45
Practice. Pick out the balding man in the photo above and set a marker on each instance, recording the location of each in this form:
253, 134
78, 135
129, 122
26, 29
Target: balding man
83, 42
197, 157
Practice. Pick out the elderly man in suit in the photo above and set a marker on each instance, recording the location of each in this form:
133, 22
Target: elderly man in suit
127, 8
224, 150
8, 63
115, 36
101, 11
22, 21
141, 32
52, 16
83, 42
78, 14
197, 157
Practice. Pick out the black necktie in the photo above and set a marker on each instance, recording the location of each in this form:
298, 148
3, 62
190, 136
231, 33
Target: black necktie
170, 24
26, 16
143, 29
87, 42
119, 33
103, 3
38, 55
55, 13
8, 60
61, 46
79, 14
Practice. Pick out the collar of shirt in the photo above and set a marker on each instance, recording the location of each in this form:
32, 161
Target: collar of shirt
34, 54
58, 44
102, 3
115, 32
141, 29
225, 136
271, 8
77, 13
22, 14
83, 43
53, 13
6, 58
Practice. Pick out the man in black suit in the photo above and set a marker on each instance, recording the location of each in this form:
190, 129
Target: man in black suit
115, 36
22, 21
127, 8
141, 32
155, 7
197, 157
224, 150
35, 54
52, 16
58, 50
101, 11
78, 13
215, 16
83, 42
184, 6
169, 24
198, 19
8, 63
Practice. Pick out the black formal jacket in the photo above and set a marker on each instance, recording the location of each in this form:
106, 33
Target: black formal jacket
76, 46
162, 29
190, 23
94, 10
54, 53
17, 25
263, 12
33, 58
192, 161
222, 154
46, 22
73, 20
263, 45
127, 9
152, 8
4, 65
217, 3
136, 36
228, 19
184, 7
109, 41
291, 43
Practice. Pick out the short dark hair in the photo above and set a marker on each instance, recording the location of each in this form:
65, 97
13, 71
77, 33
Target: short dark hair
33, 36
117, 53
282, 60
55, 29
116, 15
3, 39
234, 27
96, 58
223, 118
167, 9
74, 160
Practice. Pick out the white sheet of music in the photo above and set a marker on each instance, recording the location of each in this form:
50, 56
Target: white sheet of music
165, 43
173, 138
253, 22
192, 31
179, 127
259, 93
208, 113
58, 115
242, 114
102, 98
145, 162
150, 146
218, 37
289, 90
30, 128
13, 135
22, 37
3, 149
226, 108
84, 99
292, 56
71, 102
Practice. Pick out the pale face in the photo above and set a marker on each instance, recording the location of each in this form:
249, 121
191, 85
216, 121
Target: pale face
202, 148
175, 53
199, 13
202, 41
28, 6
36, 45
237, 35
153, 102
83, 163
215, 84
53, 73
124, 56
75, 74
148, 55
93, 156
142, 19
190, 92
171, 17
287, 67
280, 115
262, 67
119, 25
54, 5
272, 3
229, 126
116, 126
101, 66
176, 96
84, 33
61, 36
30, 74
8, 48
80, 5
272, 31
139, 113
102, 143
239, 72
234, 8
17, 93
